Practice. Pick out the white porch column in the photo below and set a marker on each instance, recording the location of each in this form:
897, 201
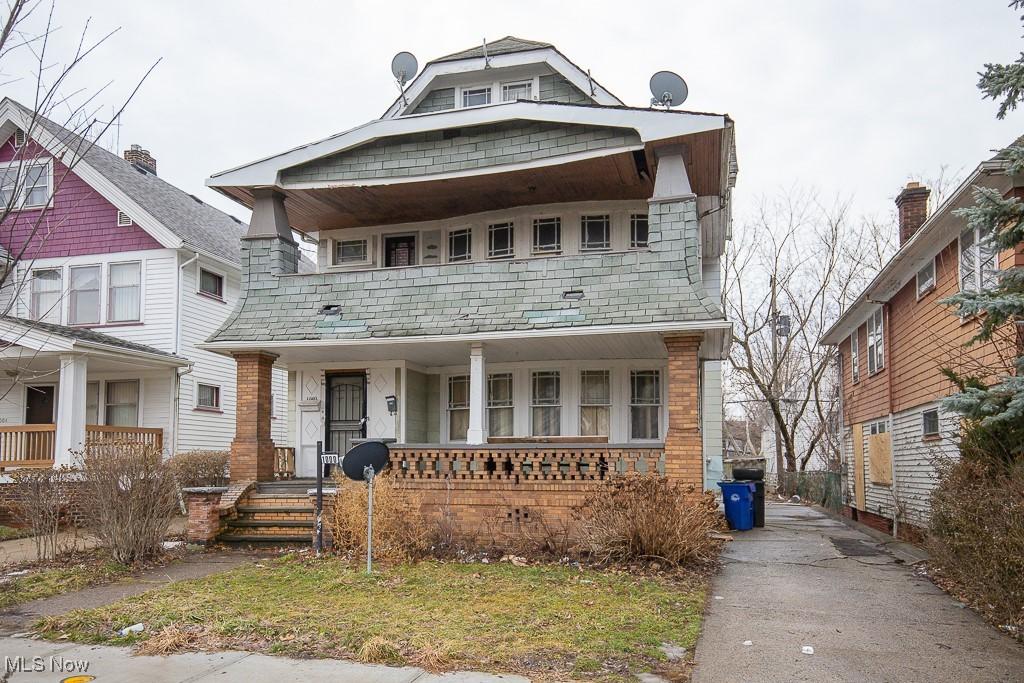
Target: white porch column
477, 433
71, 398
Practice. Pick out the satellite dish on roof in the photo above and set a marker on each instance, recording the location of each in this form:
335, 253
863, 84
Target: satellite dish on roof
668, 89
404, 67
369, 454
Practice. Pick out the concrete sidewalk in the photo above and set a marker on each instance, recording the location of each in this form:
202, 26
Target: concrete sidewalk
117, 665
809, 580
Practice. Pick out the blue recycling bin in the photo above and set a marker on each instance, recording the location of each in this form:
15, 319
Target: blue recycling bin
738, 497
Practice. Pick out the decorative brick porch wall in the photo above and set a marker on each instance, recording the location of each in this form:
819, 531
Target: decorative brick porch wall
252, 451
684, 451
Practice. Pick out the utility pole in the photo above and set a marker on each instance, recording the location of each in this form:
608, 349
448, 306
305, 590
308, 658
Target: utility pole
774, 313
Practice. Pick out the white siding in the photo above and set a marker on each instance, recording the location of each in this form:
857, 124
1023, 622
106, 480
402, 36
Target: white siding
711, 422
12, 403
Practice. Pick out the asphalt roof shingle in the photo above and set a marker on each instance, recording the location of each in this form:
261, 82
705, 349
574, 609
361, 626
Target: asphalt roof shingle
502, 46
87, 335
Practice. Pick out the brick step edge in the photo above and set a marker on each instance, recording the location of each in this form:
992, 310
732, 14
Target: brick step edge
271, 509
302, 524
264, 539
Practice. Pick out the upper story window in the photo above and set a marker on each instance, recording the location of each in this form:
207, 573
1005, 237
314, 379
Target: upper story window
347, 252
876, 345
595, 402
547, 236
84, 296
211, 284
644, 404
978, 261
516, 91
501, 240
930, 422
855, 355
926, 278
208, 396
499, 404
460, 245
638, 231
595, 232
474, 97
44, 299
124, 292
25, 184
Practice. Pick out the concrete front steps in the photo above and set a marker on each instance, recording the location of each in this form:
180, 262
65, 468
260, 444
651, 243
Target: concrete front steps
274, 513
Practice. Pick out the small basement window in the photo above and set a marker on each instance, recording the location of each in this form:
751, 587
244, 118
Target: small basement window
474, 97
930, 422
211, 283
595, 232
547, 236
460, 245
208, 396
350, 251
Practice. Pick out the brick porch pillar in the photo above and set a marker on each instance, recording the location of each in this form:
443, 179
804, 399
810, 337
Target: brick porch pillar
684, 456
252, 451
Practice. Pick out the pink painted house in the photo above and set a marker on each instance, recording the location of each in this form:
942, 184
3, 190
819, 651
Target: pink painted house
112, 276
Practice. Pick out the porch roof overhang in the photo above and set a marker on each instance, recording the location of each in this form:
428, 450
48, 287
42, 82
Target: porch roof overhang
607, 342
621, 172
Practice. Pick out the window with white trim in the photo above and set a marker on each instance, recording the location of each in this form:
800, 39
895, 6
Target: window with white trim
499, 404
595, 402
855, 355
208, 396
522, 90
84, 295
638, 231
879, 427
92, 403
44, 297
474, 97
546, 403
211, 284
501, 240
460, 245
122, 403
547, 236
978, 261
348, 252
926, 278
458, 407
595, 232
876, 343
124, 292
644, 404
25, 184
930, 422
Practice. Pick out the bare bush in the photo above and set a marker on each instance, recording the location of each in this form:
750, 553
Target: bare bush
200, 468
44, 503
129, 498
647, 517
400, 530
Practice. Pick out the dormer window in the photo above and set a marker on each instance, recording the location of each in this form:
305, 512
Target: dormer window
516, 91
474, 97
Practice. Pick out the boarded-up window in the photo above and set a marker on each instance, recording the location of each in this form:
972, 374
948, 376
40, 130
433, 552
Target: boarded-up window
879, 455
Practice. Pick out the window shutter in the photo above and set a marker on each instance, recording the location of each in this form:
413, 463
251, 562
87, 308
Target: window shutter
123, 219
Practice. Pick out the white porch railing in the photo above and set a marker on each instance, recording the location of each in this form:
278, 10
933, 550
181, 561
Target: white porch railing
33, 445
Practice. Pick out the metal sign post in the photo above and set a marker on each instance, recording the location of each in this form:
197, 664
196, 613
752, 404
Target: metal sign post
368, 475
318, 538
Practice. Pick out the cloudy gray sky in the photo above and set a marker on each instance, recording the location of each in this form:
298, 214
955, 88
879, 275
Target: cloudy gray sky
850, 97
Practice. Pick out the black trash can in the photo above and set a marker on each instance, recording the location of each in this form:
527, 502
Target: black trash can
756, 477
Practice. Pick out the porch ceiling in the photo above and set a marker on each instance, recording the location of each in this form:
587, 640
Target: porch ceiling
20, 360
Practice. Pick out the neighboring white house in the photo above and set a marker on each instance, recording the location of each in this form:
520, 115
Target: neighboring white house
127, 274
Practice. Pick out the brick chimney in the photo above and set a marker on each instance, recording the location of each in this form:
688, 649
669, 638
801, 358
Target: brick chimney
912, 202
140, 158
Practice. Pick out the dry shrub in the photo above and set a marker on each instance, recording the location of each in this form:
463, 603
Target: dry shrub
400, 530
201, 468
380, 650
976, 535
648, 517
129, 498
44, 499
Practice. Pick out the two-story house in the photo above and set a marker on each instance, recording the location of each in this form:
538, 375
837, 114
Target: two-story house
894, 341
115, 276
518, 284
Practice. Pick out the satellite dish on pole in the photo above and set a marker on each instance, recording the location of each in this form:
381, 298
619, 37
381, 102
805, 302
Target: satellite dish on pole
668, 89
367, 454
404, 67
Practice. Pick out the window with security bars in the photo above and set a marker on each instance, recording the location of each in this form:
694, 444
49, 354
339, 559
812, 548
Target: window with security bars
595, 232
499, 404
644, 404
546, 403
458, 407
595, 402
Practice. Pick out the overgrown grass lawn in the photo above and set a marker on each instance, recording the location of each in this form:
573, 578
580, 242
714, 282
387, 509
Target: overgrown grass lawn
47, 581
545, 620
8, 533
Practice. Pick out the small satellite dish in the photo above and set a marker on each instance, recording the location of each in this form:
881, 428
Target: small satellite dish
404, 67
668, 89
367, 454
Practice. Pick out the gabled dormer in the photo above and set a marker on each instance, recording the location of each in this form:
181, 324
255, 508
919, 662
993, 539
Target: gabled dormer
506, 70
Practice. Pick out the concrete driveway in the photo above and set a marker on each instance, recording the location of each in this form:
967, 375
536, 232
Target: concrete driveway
809, 580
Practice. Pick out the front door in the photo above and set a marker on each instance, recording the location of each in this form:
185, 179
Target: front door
400, 251
346, 408
39, 402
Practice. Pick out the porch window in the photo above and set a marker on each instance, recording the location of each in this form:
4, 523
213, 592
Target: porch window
122, 405
211, 283
25, 184
595, 402
595, 232
500, 240
460, 245
92, 403
44, 301
350, 251
124, 292
546, 403
208, 396
638, 231
516, 91
84, 306
474, 97
458, 407
499, 404
978, 265
876, 347
644, 404
547, 236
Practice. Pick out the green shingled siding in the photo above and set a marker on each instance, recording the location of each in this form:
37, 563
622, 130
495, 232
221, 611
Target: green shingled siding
435, 100
477, 147
556, 88
619, 288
